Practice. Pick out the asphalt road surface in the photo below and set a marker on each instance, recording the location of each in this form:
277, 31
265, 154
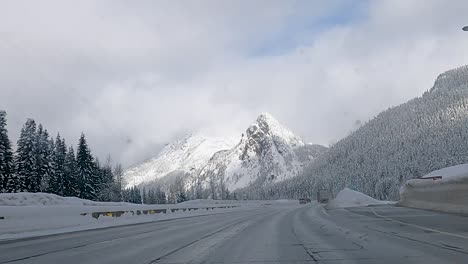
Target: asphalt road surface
271, 234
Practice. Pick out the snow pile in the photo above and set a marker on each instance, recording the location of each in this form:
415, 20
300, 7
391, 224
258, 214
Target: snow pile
47, 199
454, 173
350, 198
447, 194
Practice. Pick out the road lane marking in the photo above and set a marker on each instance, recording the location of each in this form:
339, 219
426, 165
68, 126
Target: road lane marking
420, 227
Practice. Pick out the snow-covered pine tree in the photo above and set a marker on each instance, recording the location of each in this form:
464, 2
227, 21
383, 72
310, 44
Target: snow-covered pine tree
87, 180
6, 155
27, 178
161, 197
150, 198
144, 197
97, 175
131, 195
181, 197
118, 180
107, 187
44, 163
135, 195
56, 181
126, 195
70, 174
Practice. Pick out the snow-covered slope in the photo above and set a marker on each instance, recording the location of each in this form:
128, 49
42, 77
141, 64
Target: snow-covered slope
404, 142
187, 155
48, 199
267, 152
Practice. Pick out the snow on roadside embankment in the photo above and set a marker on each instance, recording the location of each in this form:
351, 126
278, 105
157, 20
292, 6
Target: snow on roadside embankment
443, 190
350, 198
36, 214
47, 199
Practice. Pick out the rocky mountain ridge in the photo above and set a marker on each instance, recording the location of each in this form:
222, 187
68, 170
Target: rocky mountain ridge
266, 153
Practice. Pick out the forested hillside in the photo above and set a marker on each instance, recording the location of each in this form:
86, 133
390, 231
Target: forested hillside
427, 133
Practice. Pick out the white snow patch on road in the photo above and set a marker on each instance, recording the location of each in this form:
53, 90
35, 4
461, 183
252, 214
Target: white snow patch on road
350, 198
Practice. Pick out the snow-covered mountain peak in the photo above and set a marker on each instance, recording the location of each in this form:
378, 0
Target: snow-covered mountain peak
267, 152
266, 124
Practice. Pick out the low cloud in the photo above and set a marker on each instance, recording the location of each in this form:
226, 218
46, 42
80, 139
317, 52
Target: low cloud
134, 76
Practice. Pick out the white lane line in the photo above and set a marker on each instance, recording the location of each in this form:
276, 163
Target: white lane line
420, 227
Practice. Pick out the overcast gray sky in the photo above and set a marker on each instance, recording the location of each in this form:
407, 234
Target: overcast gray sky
134, 75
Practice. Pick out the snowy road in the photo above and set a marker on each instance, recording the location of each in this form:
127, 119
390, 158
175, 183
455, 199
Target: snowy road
272, 234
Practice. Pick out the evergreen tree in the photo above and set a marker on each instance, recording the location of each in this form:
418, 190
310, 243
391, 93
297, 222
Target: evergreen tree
151, 198
162, 199
181, 197
97, 175
70, 174
118, 181
106, 186
6, 155
137, 195
134, 195
27, 178
57, 181
44, 160
126, 195
144, 197
87, 179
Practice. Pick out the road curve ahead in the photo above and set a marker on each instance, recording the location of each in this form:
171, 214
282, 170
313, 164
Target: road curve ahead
271, 234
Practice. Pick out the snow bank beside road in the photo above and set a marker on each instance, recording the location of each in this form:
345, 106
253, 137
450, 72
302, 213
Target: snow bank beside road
47, 199
453, 173
350, 198
36, 214
446, 194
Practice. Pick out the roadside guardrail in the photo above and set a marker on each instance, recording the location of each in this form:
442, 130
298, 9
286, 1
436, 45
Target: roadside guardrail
152, 211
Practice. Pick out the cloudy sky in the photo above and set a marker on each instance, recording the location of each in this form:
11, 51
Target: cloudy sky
134, 75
